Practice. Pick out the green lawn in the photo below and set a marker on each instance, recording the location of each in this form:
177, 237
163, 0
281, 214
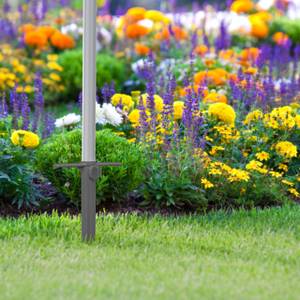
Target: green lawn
243, 255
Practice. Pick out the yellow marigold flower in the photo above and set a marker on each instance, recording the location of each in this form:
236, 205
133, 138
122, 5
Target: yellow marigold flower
215, 149
286, 149
52, 65
156, 16
134, 116
20, 69
262, 156
122, 99
223, 112
120, 133
215, 171
133, 140
275, 174
215, 97
253, 116
297, 120
52, 57
206, 183
209, 139
256, 166
28, 89
294, 192
283, 167
55, 77
237, 175
178, 107
287, 182
25, 139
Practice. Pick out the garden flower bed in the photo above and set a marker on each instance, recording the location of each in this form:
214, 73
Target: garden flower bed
201, 108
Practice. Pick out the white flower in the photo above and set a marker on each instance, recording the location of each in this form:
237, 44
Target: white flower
138, 65
238, 24
72, 29
68, 120
294, 9
146, 23
265, 4
107, 114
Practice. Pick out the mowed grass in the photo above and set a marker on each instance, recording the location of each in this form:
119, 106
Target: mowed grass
242, 255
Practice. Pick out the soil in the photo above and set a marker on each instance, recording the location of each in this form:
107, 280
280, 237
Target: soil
56, 202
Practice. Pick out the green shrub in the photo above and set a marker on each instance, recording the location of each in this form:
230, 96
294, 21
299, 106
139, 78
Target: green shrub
17, 180
109, 69
178, 179
173, 181
115, 182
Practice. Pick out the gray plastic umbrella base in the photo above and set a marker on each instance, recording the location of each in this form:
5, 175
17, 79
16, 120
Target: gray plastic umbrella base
90, 172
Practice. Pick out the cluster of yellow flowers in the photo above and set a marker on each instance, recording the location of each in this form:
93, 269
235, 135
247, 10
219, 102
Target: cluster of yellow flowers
17, 70
26, 139
286, 149
130, 105
282, 118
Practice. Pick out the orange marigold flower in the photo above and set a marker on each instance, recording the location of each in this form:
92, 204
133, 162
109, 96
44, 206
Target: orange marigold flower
47, 30
35, 39
141, 49
242, 6
212, 77
214, 97
250, 54
260, 28
201, 50
280, 38
135, 14
250, 71
135, 31
27, 28
62, 41
176, 31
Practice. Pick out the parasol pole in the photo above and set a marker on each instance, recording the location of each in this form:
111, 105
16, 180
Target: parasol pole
88, 183
90, 169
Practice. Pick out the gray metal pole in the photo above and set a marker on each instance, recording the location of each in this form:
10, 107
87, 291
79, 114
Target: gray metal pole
90, 169
88, 182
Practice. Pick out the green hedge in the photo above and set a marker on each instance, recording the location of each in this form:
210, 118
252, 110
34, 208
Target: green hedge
114, 184
109, 69
290, 27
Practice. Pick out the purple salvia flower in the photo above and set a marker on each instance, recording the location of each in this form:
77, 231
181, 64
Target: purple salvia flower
79, 103
107, 91
49, 125
150, 90
223, 41
38, 102
143, 124
14, 105
3, 106
6, 7
25, 112
168, 105
194, 41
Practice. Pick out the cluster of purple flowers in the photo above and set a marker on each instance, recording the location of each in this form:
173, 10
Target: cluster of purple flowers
17, 106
